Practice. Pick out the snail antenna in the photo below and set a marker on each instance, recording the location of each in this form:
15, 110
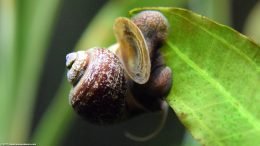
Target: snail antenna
164, 114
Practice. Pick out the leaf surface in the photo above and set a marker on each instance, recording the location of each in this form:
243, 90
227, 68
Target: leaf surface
216, 87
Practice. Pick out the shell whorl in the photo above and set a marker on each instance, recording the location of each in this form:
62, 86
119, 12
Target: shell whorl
99, 87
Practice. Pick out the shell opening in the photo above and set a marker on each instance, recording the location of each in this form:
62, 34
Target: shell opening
132, 51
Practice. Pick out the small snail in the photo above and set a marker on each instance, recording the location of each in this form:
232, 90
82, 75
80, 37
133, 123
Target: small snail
99, 85
129, 78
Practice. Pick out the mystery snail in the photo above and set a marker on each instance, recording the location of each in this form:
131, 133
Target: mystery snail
125, 80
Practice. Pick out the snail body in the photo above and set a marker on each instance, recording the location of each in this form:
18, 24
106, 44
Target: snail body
154, 27
115, 84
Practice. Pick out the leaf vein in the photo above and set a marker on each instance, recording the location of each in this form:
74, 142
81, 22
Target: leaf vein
232, 100
237, 134
201, 122
209, 106
232, 47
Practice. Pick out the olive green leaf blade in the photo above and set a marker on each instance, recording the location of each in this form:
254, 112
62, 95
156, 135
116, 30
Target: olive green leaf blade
216, 89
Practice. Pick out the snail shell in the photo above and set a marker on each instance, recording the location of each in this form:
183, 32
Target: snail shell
99, 85
101, 77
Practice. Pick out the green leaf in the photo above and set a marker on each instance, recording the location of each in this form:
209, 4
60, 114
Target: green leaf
216, 90
35, 20
7, 64
210, 8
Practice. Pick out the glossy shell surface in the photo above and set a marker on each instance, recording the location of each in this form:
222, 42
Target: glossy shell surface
100, 92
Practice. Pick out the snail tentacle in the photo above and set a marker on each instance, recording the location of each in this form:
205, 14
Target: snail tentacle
154, 27
164, 114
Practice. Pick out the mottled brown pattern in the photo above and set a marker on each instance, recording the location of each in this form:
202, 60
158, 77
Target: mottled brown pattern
99, 95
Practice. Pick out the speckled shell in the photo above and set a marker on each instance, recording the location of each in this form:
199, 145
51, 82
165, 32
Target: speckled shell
99, 94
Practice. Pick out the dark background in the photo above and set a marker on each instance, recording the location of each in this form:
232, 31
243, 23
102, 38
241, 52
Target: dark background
73, 18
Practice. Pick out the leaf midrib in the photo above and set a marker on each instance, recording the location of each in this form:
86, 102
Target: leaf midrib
232, 100
232, 47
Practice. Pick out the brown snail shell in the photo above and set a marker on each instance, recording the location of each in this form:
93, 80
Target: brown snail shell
99, 85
